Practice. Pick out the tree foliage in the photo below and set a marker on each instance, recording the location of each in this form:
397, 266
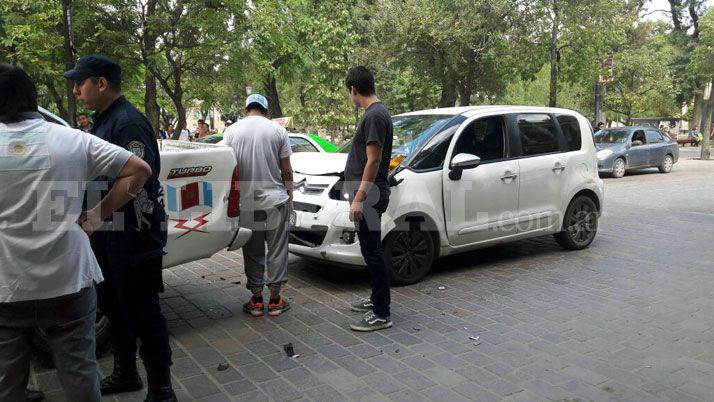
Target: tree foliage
424, 53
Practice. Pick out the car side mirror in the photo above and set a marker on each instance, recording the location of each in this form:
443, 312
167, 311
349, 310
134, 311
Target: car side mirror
636, 143
461, 162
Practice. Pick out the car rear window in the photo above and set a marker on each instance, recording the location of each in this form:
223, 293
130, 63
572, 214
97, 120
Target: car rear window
570, 126
538, 134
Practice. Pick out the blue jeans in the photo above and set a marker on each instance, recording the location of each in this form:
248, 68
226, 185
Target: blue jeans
68, 322
369, 234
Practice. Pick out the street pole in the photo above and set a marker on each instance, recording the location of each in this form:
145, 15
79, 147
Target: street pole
598, 101
705, 127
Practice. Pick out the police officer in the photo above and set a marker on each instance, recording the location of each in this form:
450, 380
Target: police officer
129, 249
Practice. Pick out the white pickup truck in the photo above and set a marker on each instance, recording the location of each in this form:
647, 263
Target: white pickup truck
201, 195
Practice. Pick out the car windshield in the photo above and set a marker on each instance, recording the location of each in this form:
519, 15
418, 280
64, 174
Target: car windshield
612, 137
410, 132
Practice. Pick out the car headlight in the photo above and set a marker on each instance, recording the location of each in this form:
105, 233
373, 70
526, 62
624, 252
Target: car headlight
602, 154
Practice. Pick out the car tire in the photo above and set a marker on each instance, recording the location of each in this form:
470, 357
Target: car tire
103, 341
618, 168
667, 164
409, 254
579, 224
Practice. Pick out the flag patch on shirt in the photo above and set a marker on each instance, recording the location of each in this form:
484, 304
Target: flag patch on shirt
24, 151
190, 195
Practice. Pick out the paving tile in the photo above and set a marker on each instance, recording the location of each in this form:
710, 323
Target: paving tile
199, 386
624, 319
279, 390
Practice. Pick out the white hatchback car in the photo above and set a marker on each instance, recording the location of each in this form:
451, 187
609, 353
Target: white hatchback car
462, 178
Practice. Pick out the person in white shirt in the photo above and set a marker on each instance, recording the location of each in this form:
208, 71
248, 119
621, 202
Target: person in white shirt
47, 268
262, 149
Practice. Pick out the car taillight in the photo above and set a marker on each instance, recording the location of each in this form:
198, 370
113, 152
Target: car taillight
234, 196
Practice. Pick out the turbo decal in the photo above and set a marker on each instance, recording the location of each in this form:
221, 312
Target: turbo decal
194, 171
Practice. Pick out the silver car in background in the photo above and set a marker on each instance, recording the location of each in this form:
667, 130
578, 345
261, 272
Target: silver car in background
626, 148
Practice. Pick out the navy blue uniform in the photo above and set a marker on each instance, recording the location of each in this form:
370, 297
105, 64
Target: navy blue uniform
130, 249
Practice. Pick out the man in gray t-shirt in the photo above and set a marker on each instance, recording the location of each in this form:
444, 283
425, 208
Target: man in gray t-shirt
262, 149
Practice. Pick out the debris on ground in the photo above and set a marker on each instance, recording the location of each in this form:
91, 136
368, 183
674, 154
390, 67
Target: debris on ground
203, 276
416, 329
290, 351
222, 278
474, 338
442, 287
396, 351
236, 283
223, 366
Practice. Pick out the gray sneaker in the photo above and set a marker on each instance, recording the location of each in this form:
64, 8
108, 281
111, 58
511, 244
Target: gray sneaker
371, 322
362, 306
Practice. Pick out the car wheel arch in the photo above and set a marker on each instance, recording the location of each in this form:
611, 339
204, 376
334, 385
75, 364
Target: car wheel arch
425, 221
590, 194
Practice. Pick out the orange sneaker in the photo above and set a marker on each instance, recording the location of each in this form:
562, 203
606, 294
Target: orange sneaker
275, 309
254, 308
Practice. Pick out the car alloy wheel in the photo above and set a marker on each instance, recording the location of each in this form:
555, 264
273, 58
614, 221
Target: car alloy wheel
667, 164
409, 254
619, 169
579, 224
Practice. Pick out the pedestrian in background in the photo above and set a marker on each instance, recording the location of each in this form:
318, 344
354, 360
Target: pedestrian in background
367, 186
84, 123
263, 151
600, 127
47, 268
130, 249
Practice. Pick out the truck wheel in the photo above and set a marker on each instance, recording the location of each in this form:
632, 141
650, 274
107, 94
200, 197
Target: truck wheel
667, 164
579, 224
409, 255
618, 168
101, 326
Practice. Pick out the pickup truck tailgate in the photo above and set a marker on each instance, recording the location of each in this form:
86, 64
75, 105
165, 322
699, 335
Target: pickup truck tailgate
196, 187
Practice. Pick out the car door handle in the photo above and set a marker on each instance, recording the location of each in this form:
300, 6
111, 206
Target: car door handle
558, 168
508, 176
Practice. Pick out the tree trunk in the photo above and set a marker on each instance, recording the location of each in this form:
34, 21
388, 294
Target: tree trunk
271, 92
448, 93
181, 116
554, 62
71, 113
465, 90
151, 107
56, 97
302, 95
707, 125
699, 105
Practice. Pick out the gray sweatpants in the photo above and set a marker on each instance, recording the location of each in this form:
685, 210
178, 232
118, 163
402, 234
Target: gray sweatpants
68, 322
271, 227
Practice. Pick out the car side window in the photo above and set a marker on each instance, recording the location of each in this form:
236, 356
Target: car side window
485, 138
639, 136
653, 137
301, 145
538, 134
570, 126
433, 153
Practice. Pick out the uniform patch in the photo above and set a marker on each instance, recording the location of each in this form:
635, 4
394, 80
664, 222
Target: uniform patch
137, 148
